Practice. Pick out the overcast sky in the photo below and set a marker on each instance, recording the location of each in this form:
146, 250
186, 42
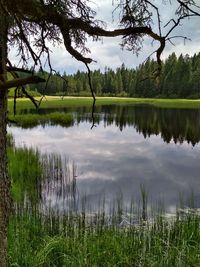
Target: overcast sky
108, 52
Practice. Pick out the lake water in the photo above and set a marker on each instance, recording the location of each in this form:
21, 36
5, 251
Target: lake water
131, 147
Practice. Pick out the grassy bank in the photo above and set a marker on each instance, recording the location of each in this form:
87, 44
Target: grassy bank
33, 243
81, 239
32, 120
57, 102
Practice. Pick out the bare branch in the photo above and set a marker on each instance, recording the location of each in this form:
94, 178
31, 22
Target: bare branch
24, 39
16, 69
183, 4
158, 16
179, 36
15, 100
20, 82
93, 95
176, 23
30, 97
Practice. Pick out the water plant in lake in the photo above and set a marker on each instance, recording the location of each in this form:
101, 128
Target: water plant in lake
32, 120
37, 178
25, 171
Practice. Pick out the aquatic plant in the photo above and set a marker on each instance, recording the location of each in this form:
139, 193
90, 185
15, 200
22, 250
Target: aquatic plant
32, 120
76, 237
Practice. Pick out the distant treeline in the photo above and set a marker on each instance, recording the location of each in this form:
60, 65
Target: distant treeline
180, 78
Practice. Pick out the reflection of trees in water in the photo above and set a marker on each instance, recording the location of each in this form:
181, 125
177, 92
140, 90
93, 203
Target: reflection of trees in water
175, 125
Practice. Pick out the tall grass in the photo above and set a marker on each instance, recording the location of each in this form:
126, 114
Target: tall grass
25, 171
47, 237
32, 120
77, 243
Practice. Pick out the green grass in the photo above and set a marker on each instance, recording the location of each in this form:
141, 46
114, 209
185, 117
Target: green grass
61, 118
154, 245
56, 102
25, 170
161, 243
31, 120
78, 239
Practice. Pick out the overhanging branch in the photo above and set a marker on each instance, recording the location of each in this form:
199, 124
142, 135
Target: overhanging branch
20, 81
38, 13
16, 69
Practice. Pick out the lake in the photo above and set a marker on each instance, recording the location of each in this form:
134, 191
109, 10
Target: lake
133, 148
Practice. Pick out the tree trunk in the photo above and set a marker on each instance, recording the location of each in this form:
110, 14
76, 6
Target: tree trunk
4, 181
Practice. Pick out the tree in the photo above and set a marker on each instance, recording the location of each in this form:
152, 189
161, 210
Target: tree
169, 76
30, 24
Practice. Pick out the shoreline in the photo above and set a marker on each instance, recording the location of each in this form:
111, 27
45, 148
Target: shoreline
56, 101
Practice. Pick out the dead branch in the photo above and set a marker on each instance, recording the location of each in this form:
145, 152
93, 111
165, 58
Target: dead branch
93, 95
158, 16
187, 8
20, 82
16, 69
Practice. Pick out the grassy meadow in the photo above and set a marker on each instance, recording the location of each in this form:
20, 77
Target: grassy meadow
49, 102
58, 102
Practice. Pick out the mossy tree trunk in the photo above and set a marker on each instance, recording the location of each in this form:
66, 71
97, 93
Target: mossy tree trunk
4, 181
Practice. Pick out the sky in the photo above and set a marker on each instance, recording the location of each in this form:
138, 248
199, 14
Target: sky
107, 52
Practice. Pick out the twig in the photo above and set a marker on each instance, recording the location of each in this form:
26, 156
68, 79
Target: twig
93, 95
158, 16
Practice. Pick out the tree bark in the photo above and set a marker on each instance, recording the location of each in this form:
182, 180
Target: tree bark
4, 181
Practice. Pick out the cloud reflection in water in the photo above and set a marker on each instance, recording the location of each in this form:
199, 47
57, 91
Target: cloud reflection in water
111, 162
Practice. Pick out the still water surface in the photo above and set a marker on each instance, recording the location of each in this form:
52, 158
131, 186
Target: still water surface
131, 146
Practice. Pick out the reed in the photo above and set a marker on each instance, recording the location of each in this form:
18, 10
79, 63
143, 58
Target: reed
32, 120
32, 242
75, 236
